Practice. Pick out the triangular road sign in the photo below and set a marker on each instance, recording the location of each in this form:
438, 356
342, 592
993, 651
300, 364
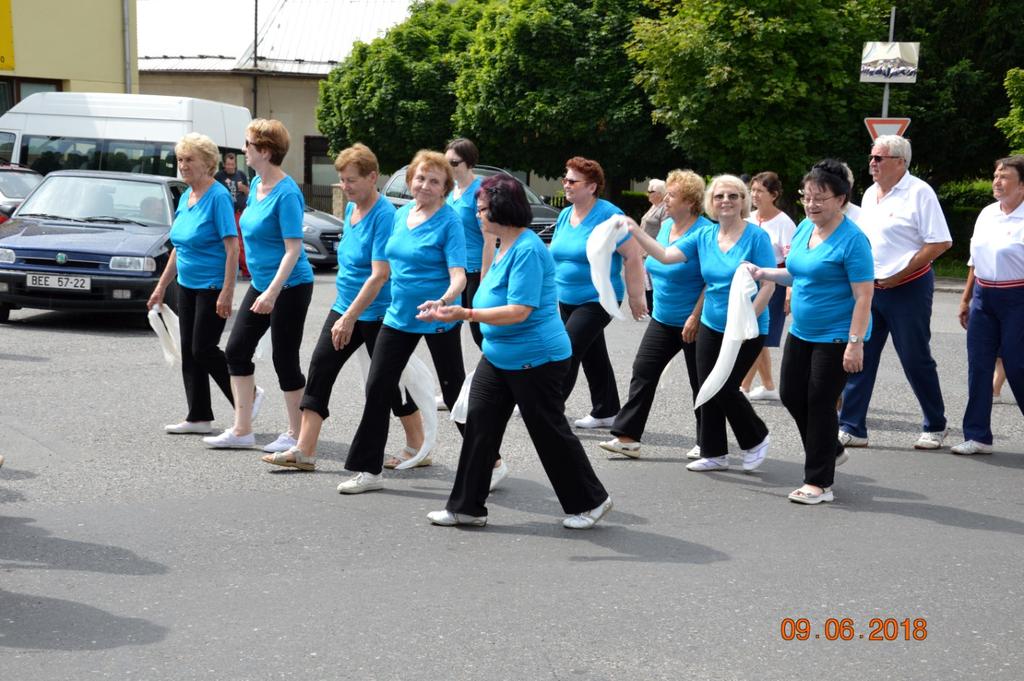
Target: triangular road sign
886, 126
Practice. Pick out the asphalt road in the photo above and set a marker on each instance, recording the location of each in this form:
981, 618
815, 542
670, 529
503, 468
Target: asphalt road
129, 554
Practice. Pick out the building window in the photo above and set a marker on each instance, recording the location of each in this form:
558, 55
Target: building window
13, 90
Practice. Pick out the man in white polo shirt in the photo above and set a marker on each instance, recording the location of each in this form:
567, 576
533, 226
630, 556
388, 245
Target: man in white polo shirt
902, 218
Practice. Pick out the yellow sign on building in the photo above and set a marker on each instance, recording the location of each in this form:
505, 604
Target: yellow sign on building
6, 37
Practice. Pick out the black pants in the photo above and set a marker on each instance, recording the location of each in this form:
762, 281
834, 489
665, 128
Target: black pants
659, 345
201, 359
585, 325
472, 284
729, 404
285, 321
812, 379
538, 392
326, 364
390, 356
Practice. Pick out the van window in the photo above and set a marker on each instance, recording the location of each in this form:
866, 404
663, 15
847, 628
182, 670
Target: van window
6, 146
46, 154
149, 158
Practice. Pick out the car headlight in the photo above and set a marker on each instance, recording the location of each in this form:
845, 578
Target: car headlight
7, 256
132, 264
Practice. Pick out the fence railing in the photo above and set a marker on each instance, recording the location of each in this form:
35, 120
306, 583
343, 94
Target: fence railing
318, 196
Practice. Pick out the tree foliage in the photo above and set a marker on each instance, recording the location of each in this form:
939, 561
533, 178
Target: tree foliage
747, 88
1012, 125
396, 94
546, 80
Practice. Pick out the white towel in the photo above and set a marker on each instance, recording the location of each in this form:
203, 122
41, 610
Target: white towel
740, 325
165, 323
601, 244
461, 407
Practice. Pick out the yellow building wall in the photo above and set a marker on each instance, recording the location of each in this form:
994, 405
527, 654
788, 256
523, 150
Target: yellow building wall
80, 42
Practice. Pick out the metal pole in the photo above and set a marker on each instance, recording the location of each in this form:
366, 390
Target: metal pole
885, 92
255, 44
126, 30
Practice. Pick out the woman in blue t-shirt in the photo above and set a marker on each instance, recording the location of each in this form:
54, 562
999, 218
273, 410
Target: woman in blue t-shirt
427, 255
526, 356
678, 289
578, 304
279, 293
204, 260
358, 311
831, 270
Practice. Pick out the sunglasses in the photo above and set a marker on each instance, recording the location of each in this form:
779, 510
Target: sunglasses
569, 181
878, 159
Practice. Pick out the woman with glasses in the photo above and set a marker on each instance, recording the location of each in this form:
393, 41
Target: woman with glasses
279, 293
831, 272
204, 261
578, 304
526, 355
765, 193
678, 297
427, 255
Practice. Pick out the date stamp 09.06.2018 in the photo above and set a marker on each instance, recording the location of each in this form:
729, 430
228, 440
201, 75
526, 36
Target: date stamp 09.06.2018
846, 629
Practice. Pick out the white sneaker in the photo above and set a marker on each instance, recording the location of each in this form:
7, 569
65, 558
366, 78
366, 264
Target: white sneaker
449, 519
969, 447
851, 440
630, 449
497, 475
257, 402
755, 456
441, 406
694, 452
228, 440
590, 422
715, 463
931, 440
586, 520
763, 394
283, 443
362, 482
189, 428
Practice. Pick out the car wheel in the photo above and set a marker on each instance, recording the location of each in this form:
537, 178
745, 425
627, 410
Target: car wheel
5, 314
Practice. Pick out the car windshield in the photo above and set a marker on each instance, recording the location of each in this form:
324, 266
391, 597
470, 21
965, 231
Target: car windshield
17, 184
100, 200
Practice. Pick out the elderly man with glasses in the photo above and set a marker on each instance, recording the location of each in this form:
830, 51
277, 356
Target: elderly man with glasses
901, 216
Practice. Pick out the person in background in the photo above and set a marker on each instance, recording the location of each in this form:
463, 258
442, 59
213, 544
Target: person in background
279, 294
237, 184
526, 354
901, 216
766, 194
992, 307
651, 224
204, 261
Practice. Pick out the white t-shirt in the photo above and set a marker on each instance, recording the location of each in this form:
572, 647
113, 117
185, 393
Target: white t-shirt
853, 212
906, 219
997, 246
780, 229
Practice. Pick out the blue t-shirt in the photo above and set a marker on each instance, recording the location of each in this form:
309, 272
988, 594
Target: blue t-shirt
361, 244
465, 208
677, 286
717, 268
265, 224
569, 249
525, 275
822, 302
198, 236
420, 258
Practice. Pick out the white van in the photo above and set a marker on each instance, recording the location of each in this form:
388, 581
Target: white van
51, 131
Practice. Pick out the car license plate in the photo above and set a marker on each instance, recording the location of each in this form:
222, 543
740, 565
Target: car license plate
61, 281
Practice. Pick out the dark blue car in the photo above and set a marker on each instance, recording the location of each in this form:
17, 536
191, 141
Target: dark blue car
87, 240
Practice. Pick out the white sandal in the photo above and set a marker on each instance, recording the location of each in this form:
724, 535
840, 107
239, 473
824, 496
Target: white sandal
291, 458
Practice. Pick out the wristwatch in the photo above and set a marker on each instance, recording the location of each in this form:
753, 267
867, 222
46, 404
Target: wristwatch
855, 339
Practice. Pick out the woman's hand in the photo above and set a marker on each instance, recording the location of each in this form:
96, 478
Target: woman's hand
341, 331
224, 302
638, 306
787, 304
435, 310
264, 303
756, 273
157, 298
690, 329
853, 358
964, 314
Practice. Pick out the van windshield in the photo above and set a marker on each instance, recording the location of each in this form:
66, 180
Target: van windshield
46, 153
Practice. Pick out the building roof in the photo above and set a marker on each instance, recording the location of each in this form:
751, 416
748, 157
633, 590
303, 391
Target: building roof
299, 37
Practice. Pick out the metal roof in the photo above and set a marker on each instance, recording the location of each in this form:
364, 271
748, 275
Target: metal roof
301, 37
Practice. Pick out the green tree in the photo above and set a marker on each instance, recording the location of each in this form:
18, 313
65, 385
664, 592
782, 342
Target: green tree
1012, 125
766, 87
396, 94
546, 80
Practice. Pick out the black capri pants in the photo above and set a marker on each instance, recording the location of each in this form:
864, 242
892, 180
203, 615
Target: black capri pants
327, 362
285, 321
585, 325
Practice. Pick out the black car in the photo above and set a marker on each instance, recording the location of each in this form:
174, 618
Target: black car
544, 216
87, 240
321, 233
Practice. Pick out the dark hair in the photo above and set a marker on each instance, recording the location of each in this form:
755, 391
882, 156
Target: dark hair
1016, 162
590, 170
466, 150
831, 175
230, 156
506, 201
771, 182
